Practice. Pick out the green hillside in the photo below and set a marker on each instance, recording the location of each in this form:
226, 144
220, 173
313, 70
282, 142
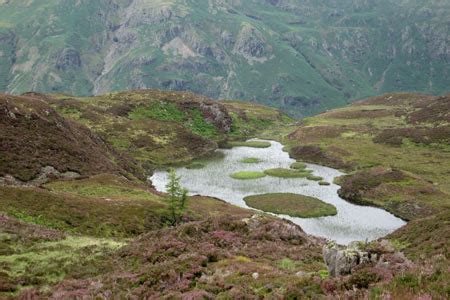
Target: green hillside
302, 56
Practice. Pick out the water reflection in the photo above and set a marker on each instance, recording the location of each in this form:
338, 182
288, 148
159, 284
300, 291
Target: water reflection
353, 222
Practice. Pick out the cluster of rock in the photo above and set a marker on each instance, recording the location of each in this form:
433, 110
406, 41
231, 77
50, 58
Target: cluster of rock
344, 260
47, 173
340, 260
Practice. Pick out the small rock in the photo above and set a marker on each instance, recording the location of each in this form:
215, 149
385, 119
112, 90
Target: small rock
301, 274
255, 276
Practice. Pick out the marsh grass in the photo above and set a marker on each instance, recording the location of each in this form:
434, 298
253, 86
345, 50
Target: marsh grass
293, 205
195, 166
298, 166
251, 144
287, 173
247, 175
314, 178
251, 160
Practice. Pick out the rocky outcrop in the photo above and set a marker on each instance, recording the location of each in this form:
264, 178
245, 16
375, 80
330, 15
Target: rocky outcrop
68, 59
380, 257
251, 44
47, 173
218, 115
342, 260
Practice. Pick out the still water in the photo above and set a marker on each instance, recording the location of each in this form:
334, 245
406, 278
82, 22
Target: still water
352, 222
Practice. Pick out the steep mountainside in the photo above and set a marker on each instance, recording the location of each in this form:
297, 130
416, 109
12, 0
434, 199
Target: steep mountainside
303, 56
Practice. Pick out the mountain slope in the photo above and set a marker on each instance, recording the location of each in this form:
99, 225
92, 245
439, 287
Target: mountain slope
37, 143
304, 57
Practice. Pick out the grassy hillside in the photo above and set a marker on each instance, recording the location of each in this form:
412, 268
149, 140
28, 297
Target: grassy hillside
305, 57
395, 149
161, 128
34, 138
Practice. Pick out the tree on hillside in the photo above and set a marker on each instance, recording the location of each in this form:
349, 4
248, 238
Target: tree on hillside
177, 197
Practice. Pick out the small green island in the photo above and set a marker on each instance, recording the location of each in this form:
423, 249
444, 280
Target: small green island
195, 166
247, 175
298, 166
251, 144
288, 173
314, 178
251, 160
293, 205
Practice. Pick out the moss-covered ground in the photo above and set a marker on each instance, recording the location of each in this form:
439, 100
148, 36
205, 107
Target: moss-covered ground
288, 173
247, 175
251, 144
251, 160
291, 204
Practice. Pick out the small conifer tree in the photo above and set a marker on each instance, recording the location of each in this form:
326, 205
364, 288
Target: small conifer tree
177, 197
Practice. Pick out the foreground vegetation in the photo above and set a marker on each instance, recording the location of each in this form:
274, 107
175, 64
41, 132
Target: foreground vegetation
291, 204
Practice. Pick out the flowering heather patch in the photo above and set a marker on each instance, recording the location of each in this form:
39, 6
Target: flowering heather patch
174, 261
